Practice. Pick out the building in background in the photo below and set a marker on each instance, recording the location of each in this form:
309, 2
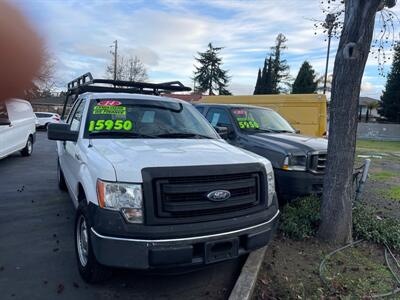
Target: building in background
368, 109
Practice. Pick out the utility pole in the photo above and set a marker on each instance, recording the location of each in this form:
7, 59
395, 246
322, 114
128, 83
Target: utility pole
329, 24
115, 58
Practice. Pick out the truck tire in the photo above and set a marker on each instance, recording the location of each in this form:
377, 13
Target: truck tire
27, 151
89, 268
61, 179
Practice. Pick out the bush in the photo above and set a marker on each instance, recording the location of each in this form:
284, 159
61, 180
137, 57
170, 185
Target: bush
368, 226
300, 219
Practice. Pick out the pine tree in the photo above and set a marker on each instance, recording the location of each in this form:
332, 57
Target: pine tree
275, 70
208, 75
390, 105
268, 79
258, 83
305, 82
280, 68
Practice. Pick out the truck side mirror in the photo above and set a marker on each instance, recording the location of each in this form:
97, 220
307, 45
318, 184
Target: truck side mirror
222, 131
297, 131
61, 132
5, 122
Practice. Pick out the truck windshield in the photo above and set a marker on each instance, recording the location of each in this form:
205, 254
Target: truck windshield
259, 119
130, 118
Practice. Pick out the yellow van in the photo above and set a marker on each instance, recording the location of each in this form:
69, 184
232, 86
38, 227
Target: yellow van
305, 112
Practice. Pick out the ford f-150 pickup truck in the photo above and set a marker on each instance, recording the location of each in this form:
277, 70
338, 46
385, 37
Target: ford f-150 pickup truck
298, 160
153, 183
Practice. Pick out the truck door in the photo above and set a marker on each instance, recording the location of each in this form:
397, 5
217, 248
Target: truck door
70, 160
220, 117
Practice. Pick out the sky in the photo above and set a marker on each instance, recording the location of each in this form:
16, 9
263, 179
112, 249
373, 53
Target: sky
167, 34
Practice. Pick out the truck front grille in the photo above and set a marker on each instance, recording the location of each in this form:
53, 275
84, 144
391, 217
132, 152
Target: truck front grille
317, 162
183, 199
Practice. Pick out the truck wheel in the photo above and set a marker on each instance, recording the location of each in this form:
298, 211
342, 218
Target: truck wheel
27, 151
61, 179
89, 268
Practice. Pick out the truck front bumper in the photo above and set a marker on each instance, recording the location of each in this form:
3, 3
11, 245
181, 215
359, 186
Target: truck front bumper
190, 251
293, 184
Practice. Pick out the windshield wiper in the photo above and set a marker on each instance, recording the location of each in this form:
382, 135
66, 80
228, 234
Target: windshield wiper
122, 134
272, 130
183, 135
281, 131
260, 129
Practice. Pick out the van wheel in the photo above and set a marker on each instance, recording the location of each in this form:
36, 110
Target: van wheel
61, 179
89, 268
27, 151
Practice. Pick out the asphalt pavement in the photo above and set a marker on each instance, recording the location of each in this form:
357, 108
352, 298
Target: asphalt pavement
37, 259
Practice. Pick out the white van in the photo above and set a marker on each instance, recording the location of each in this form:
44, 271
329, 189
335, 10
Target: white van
17, 127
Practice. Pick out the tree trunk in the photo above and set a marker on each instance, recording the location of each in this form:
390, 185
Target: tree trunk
351, 57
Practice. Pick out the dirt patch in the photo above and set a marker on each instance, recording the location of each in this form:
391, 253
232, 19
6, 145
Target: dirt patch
291, 271
291, 268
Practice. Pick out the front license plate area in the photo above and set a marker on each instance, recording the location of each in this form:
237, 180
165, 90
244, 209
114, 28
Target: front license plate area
221, 250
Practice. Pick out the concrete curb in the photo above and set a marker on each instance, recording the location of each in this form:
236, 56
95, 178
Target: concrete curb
245, 284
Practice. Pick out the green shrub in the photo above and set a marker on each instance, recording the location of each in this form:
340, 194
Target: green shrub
367, 226
300, 219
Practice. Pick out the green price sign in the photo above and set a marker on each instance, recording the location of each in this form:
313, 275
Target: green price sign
101, 125
247, 123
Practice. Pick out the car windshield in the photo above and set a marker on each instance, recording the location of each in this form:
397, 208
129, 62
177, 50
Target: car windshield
260, 119
131, 118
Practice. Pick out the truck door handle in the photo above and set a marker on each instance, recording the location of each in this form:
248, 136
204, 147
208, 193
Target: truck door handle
78, 157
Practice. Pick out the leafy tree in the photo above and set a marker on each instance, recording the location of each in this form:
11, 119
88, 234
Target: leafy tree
280, 68
305, 82
390, 105
208, 75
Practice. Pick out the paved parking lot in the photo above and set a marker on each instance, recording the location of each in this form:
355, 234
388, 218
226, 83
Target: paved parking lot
37, 259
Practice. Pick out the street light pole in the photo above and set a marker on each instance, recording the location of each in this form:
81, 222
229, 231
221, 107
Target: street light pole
329, 24
115, 59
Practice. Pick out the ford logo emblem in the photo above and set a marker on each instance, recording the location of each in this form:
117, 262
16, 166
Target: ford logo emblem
219, 195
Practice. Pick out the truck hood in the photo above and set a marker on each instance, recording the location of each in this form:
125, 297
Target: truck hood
130, 156
289, 142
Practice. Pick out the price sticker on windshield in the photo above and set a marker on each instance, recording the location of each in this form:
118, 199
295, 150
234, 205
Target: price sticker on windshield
247, 123
108, 125
109, 110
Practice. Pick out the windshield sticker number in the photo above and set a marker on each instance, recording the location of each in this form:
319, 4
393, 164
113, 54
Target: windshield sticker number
101, 125
247, 123
109, 110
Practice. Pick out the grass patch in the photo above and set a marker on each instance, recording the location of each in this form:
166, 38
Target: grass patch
354, 272
384, 146
392, 193
382, 176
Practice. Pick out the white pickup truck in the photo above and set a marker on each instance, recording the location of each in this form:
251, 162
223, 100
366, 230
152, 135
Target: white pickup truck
153, 183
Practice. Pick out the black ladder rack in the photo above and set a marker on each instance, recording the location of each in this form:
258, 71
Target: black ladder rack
86, 83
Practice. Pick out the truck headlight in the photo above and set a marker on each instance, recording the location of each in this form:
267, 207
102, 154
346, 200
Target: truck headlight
124, 197
295, 163
271, 186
